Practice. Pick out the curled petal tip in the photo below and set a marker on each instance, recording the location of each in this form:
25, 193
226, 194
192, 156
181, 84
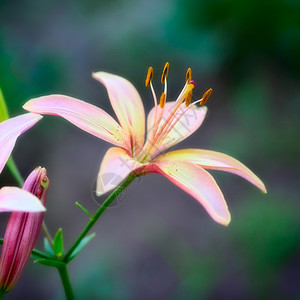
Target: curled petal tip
99, 193
227, 221
224, 219
260, 185
94, 74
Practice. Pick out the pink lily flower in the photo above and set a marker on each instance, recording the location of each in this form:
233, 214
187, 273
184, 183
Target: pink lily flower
10, 130
23, 228
167, 124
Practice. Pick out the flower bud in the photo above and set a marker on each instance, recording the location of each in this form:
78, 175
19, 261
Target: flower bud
22, 232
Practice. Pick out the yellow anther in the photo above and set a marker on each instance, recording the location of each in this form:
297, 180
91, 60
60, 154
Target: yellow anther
188, 76
165, 73
188, 98
149, 76
205, 96
162, 100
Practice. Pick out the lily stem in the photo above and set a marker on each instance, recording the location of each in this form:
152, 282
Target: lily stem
98, 213
47, 234
64, 276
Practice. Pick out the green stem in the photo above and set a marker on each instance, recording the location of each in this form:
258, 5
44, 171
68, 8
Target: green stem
98, 213
47, 234
15, 171
2, 294
64, 276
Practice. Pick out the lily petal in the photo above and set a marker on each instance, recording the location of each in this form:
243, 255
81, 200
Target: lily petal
198, 183
213, 160
128, 107
82, 114
16, 199
115, 167
10, 130
186, 125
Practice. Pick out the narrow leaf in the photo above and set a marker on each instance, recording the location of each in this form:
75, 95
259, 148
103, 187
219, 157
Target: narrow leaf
80, 246
35, 254
84, 209
48, 247
3, 108
58, 244
50, 262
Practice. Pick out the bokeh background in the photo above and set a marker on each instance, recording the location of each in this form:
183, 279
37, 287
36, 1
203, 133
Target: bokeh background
159, 243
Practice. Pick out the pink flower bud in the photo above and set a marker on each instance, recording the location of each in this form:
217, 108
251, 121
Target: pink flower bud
22, 232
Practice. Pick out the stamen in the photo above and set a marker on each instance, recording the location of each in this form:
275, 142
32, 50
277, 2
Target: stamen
149, 77
159, 131
167, 123
188, 76
188, 99
162, 100
205, 96
165, 73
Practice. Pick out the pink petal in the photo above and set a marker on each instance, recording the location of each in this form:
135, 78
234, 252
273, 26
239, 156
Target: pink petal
10, 131
187, 124
16, 199
213, 160
115, 167
127, 105
83, 115
198, 183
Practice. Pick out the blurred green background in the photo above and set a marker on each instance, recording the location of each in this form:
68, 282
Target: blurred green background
160, 244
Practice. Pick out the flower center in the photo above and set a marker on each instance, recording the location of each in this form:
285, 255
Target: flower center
164, 122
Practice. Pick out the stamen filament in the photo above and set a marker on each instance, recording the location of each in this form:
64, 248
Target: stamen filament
155, 101
165, 87
182, 93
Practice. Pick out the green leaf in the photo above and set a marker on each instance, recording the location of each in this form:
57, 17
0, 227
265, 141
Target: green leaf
80, 246
84, 209
50, 262
48, 247
58, 243
3, 108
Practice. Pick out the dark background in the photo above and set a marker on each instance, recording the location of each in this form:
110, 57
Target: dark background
159, 243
